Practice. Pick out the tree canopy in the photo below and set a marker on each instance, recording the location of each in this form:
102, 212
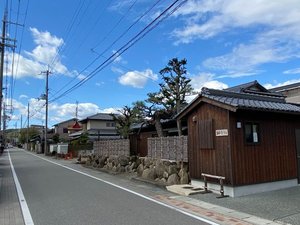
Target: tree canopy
171, 97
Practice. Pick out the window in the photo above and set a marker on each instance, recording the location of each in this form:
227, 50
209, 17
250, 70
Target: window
65, 130
252, 133
110, 124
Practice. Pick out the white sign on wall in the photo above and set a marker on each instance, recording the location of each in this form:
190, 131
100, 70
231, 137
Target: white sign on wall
222, 132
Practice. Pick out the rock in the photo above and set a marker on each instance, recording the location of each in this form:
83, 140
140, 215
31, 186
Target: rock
157, 179
114, 169
165, 175
163, 180
138, 161
127, 169
147, 162
110, 165
172, 169
167, 163
121, 169
83, 160
159, 168
140, 170
149, 174
173, 179
184, 176
102, 161
133, 166
123, 160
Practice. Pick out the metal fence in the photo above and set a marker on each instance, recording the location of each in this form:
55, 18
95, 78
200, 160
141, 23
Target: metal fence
112, 147
170, 148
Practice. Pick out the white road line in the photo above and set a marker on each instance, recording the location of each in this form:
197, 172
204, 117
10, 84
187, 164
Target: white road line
130, 191
24, 207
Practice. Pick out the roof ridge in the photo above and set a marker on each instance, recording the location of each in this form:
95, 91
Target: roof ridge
252, 95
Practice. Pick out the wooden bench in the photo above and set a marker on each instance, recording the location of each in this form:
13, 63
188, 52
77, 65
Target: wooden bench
221, 181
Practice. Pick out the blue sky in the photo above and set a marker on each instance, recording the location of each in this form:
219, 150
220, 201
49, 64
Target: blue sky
226, 43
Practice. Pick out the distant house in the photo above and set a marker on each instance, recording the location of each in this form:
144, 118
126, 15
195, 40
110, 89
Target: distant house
98, 126
291, 92
63, 128
247, 134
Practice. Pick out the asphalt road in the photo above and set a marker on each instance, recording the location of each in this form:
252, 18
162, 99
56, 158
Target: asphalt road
58, 196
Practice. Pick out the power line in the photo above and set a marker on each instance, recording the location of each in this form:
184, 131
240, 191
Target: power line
116, 25
162, 16
114, 42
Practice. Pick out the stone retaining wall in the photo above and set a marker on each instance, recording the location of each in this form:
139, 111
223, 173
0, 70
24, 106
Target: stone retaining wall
162, 171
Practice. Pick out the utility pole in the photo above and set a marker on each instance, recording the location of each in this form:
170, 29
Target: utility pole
27, 133
3, 44
2, 66
47, 72
76, 113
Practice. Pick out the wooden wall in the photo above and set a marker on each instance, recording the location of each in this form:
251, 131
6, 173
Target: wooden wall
274, 158
138, 143
215, 159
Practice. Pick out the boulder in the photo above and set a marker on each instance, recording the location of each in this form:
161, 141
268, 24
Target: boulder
123, 160
102, 161
140, 170
172, 169
167, 163
165, 175
163, 180
133, 166
159, 169
184, 176
121, 169
173, 179
147, 162
149, 174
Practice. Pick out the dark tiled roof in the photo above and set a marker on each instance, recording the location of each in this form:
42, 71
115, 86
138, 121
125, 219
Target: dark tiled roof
66, 121
250, 101
253, 87
99, 116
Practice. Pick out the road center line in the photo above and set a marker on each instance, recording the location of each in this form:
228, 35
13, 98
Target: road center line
128, 190
24, 207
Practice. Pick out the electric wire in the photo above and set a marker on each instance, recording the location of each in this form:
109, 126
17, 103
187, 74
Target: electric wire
162, 16
114, 42
116, 25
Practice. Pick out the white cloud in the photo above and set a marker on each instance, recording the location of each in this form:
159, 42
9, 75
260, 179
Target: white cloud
23, 96
57, 112
137, 79
110, 110
206, 80
45, 53
268, 85
292, 71
68, 110
274, 29
210, 17
99, 84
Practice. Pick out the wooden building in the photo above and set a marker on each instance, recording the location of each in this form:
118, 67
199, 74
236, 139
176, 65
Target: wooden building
139, 134
247, 134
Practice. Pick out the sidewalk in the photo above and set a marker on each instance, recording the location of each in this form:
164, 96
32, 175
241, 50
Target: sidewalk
10, 211
277, 207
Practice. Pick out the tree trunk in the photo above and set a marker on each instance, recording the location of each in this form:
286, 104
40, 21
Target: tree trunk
179, 127
158, 126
